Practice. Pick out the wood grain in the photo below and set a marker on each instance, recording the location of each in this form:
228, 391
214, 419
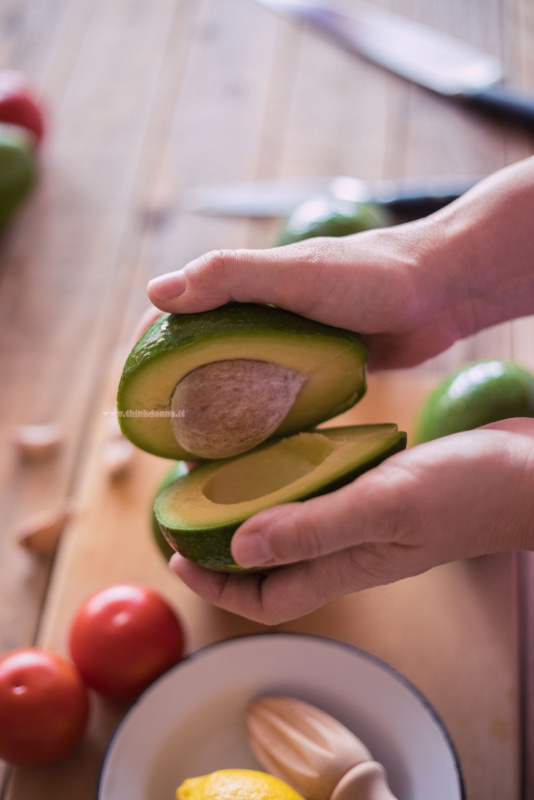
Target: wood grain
143, 104
441, 630
54, 282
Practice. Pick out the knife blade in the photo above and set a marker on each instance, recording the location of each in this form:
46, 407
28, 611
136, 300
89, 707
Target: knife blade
425, 56
407, 197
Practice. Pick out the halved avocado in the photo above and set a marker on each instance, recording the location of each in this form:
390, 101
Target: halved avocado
199, 513
177, 470
324, 367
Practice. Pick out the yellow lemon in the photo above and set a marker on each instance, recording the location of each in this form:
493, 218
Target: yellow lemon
236, 784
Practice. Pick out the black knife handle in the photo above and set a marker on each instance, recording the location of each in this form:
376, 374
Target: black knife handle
503, 102
412, 206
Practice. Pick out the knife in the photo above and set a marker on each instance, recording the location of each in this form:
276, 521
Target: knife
433, 59
410, 197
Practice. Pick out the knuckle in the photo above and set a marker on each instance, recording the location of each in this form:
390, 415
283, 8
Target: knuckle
270, 617
277, 598
309, 538
215, 263
305, 280
315, 250
366, 567
388, 492
300, 537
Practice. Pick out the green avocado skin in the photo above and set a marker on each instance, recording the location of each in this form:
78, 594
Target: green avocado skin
327, 215
18, 171
211, 548
173, 331
177, 470
475, 395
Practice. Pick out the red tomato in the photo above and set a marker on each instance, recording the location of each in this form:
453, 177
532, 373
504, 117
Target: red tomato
18, 104
123, 638
43, 707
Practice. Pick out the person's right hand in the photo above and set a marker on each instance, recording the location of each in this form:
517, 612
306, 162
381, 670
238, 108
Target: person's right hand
384, 284
465, 495
411, 290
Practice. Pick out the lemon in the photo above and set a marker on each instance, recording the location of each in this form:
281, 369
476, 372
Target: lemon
236, 784
475, 395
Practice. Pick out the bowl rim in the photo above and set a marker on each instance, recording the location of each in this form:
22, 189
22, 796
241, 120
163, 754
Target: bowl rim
376, 660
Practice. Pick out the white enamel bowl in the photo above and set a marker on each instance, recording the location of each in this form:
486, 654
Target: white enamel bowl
191, 721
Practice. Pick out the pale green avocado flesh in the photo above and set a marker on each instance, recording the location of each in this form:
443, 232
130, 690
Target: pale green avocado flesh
331, 361
199, 513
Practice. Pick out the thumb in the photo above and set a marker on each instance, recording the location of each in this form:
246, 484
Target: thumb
285, 276
365, 511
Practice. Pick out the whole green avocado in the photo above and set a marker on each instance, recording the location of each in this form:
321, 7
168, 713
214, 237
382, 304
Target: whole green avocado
475, 395
327, 215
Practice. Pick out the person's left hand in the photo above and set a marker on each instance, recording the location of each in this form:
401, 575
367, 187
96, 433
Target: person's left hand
457, 497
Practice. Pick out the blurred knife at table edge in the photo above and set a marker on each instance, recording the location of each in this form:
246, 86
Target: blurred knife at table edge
444, 64
407, 197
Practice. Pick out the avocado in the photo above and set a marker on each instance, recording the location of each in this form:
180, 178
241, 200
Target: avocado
176, 471
199, 512
244, 385
218, 383
18, 170
475, 395
327, 215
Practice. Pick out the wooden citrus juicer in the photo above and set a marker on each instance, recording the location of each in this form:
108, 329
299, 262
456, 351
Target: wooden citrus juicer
313, 752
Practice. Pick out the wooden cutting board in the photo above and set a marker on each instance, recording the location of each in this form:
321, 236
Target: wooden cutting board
452, 631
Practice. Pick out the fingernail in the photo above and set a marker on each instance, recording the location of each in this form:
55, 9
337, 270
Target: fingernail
252, 550
175, 559
166, 287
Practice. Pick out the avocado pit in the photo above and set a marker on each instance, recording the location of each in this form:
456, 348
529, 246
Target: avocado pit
227, 407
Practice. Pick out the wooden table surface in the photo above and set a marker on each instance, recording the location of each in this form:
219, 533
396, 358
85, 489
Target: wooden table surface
146, 99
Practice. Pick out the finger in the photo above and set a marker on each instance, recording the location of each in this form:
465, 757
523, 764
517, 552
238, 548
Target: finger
521, 425
291, 277
148, 318
370, 509
419, 498
279, 596
285, 593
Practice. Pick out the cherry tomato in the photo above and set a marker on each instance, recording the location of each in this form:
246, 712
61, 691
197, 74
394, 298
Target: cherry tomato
123, 638
19, 105
43, 707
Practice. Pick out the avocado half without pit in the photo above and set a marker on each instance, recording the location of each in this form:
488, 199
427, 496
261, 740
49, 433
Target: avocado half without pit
245, 386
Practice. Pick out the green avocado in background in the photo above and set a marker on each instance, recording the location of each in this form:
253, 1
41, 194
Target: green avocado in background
327, 215
475, 395
18, 169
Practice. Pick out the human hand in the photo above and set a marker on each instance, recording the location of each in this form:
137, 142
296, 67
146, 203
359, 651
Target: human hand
411, 290
462, 496
381, 284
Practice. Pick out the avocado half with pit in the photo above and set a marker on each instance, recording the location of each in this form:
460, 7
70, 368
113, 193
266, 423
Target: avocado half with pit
199, 513
218, 383
245, 386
